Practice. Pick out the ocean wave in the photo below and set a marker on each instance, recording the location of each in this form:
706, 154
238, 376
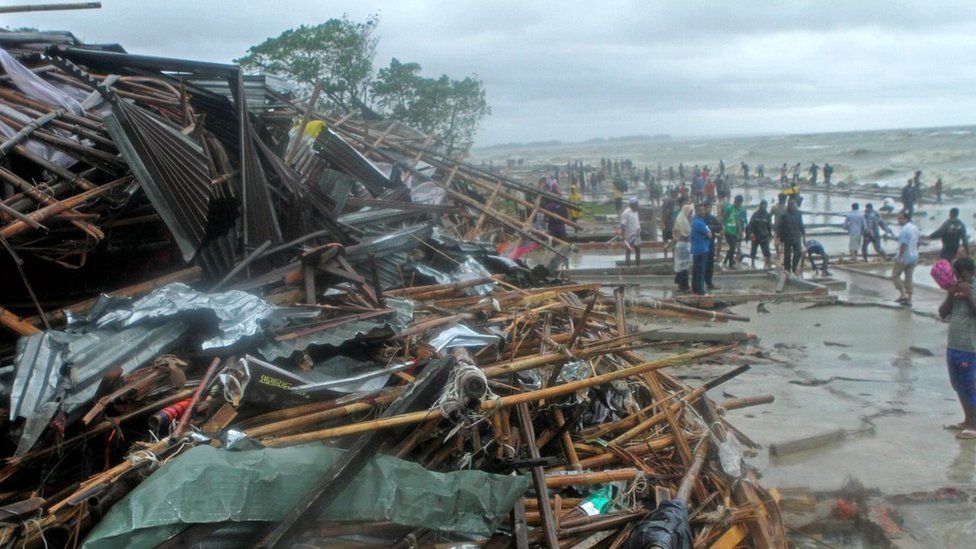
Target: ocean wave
949, 132
811, 147
858, 152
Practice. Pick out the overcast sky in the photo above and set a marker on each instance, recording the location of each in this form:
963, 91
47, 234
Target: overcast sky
577, 70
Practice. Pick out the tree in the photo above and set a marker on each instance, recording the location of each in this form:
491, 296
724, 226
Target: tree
449, 110
339, 52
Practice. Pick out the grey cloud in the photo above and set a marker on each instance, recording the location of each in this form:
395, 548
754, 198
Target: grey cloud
575, 70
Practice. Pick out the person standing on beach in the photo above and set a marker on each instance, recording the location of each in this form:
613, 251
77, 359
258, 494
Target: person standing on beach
721, 168
814, 169
698, 188
777, 212
761, 171
630, 231
745, 173
959, 308
759, 231
908, 197
854, 225
732, 219
670, 176
828, 171
782, 175
938, 191
873, 225
952, 233
906, 258
716, 227
576, 198
682, 247
791, 233
701, 242
681, 171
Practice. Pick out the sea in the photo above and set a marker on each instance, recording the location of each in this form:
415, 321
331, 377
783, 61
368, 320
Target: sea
885, 158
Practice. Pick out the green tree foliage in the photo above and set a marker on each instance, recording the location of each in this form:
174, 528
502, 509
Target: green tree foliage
450, 110
338, 52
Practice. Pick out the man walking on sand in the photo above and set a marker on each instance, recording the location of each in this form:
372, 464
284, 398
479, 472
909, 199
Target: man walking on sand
906, 258
959, 308
854, 224
630, 230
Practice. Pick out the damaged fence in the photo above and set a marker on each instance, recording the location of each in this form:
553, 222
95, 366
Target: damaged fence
233, 319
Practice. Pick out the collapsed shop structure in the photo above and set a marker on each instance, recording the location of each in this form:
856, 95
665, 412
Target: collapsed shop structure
207, 279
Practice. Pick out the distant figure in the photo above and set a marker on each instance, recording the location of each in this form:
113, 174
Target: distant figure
630, 231
906, 258
745, 173
777, 212
873, 225
710, 190
796, 174
759, 231
668, 214
854, 225
670, 175
959, 308
938, 191
682, 248
917, 178
791, 233
701, 240
814, 169
761, 171
577, 199
815, 248
828, 171
782, 175
681, 172
705, 173
908, 197
732, 219
716, 228
698, 188
556, 227
952, 233
657, 191
619, 188
721, 168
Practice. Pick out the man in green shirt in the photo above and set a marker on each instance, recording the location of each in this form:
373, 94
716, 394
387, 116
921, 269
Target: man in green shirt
732, 217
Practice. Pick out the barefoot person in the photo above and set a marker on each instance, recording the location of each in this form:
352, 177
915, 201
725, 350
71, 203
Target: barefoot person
959, 308
630, 231
906, 258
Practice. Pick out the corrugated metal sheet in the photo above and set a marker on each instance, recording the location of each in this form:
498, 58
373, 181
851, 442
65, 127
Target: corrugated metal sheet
345, 157
342, 333
239, 314
58, 370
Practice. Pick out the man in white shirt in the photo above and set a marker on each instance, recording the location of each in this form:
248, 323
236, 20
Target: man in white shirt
630, 231
906, 258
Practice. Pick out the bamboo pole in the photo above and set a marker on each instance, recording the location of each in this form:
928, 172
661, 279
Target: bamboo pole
497, 404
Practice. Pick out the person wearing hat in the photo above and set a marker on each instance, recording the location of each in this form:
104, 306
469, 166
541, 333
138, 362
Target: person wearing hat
630, 231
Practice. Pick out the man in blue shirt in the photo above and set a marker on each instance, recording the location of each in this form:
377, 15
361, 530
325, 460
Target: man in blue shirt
701, 243
906, 258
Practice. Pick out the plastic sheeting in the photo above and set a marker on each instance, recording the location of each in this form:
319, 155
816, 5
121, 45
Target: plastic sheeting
35, 86
667, 527
34, 145
208, 485
239, 314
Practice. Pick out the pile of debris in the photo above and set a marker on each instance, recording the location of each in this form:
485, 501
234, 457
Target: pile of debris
246, 322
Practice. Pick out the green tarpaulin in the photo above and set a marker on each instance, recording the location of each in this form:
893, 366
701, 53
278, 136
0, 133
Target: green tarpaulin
208, 485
